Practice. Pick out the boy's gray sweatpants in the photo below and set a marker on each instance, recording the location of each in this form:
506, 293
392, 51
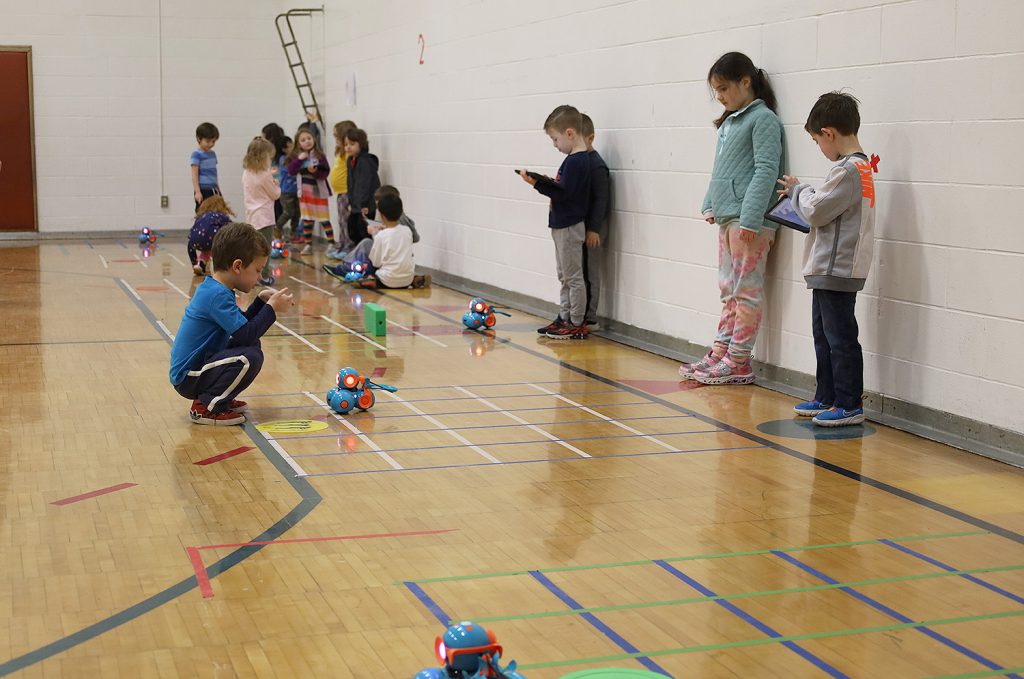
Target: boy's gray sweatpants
569, 263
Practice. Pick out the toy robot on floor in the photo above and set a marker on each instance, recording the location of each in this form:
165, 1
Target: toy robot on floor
147, 236
278, 249
481, 314
468, 651
354, 391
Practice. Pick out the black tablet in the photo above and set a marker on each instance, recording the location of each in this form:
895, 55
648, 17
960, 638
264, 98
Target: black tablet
536, 176
784, 213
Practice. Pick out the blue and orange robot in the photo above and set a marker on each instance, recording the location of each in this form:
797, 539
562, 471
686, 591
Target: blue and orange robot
481, 314
468, 651
147, 236
354, 391
278, 249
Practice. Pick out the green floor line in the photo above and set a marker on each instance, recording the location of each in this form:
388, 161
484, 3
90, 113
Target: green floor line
983, 673
740, 595
774, 640
723, 555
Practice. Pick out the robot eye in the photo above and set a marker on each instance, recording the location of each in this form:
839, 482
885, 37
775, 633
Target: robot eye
350, 381
440, 650
479, 307
337, 379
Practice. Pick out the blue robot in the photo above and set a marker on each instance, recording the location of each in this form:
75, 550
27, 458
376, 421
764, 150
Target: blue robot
278, 249
359, 269
147, 235
468, 651
481, 314
354, 391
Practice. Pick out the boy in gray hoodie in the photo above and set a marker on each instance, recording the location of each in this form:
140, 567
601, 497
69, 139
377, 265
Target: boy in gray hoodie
837, 257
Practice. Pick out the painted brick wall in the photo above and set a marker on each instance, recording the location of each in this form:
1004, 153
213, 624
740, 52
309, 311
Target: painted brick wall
942, 315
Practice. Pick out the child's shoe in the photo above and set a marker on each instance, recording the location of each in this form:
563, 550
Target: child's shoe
336, 253
839, 417
200, 414
552, 326
307, 250
592, 325
810, 408
687, 370
237, 405
368, 283
726, 371
567, 331
421, 281
267, 282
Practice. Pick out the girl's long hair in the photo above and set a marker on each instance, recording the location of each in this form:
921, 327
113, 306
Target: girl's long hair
259, 155
314, 152
215, 203
734, 67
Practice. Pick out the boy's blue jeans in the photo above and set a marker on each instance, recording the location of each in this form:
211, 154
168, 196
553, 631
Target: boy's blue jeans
840, 371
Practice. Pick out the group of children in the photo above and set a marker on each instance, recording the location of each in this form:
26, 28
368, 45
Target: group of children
748, 171
211, 362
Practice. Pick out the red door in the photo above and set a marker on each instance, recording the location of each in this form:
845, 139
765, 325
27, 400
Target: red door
17, 166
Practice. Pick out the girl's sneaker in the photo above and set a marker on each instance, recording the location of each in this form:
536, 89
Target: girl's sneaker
811, 408
200, 414
726, 371
687, 370
839, 417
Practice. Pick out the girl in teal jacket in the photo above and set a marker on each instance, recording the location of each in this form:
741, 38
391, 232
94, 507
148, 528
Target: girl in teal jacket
748, 161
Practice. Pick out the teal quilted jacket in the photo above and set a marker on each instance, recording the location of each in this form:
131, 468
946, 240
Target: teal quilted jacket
748, 160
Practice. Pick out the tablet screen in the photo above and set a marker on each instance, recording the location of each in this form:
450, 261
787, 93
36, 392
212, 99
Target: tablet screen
784, 213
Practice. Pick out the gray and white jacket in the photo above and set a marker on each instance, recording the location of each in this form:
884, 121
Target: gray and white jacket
841, 212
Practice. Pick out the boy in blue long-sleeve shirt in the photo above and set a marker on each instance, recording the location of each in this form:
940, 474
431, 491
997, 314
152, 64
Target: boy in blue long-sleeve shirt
217, 353
569, 192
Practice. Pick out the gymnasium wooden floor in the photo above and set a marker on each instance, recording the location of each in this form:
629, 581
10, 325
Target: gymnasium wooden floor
573, 497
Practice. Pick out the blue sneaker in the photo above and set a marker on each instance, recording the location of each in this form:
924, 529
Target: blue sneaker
839, 417
810, 408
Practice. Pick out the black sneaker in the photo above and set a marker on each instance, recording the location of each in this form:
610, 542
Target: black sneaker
552, 326
566, 331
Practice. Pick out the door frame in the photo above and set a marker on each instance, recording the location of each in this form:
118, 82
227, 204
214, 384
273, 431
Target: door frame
27, 50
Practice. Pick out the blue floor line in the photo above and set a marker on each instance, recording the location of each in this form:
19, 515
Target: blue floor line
946, 567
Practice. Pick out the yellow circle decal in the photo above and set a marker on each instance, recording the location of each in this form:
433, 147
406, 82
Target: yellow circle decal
291, 426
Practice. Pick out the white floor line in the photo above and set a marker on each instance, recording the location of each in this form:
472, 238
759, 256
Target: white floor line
440, 425
355, 430
104, 260
607, 419
165, 329
130, 289
359, 335
419, 334
179, 290
545, 434
299, 337
142, 261
180, 263
310, 285
299, 471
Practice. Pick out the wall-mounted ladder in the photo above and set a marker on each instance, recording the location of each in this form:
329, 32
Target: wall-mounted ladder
294, 56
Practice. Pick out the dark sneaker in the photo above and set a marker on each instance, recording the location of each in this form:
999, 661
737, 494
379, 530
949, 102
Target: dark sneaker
553, 325
267, 282
592, 325
839, 417
421, 281
200, 414
566, 331
811, 408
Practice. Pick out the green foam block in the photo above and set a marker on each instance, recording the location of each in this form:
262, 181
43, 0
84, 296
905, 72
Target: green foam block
375, 319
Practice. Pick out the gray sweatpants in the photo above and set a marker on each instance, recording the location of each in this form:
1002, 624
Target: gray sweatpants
569, 263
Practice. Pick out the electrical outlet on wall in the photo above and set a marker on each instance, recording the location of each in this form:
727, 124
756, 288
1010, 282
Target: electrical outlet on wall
165, 201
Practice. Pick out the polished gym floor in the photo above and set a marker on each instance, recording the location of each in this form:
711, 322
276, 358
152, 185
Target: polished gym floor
574, 497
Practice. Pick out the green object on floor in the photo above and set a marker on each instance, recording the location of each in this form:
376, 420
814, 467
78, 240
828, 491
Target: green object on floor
375, 319
612, 673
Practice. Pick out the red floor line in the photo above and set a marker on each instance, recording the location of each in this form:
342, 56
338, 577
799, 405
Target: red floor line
200, 568
224, 456
329, 539
93, 493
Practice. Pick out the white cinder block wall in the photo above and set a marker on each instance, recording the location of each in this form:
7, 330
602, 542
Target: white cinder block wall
119, 88
942, 317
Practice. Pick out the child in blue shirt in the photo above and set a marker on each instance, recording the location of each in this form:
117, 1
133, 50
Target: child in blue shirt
569, 192
204, 163
289, 192
217, 353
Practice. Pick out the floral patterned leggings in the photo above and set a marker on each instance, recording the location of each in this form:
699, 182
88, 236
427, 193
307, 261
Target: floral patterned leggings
741, 282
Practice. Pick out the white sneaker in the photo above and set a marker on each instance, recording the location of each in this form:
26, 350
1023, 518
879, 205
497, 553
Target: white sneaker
307, 250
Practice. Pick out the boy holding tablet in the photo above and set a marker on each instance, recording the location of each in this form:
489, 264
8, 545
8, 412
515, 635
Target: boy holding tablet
837, 257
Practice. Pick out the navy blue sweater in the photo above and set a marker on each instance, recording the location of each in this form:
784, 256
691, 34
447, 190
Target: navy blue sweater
569, 192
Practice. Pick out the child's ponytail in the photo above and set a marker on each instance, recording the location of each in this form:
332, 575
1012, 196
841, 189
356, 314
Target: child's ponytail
763, 90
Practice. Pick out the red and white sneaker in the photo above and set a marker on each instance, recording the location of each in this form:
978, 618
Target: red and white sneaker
726, 371
238, 405
200, 414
